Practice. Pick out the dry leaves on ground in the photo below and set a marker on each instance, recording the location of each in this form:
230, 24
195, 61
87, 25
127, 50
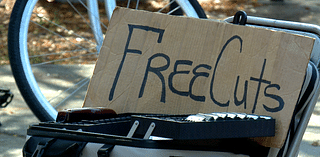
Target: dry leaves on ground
41, 42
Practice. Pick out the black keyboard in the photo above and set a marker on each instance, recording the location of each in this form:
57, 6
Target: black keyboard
217, 125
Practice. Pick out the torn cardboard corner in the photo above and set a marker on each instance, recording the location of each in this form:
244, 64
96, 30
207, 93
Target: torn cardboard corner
155, 63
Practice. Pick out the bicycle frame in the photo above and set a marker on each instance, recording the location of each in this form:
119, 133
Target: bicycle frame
93, 12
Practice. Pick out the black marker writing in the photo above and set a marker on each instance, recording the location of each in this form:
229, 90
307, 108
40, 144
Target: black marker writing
127, 50
259, 80
196, 75
275, 97
157, 71
175, 72
215, 69
244, 98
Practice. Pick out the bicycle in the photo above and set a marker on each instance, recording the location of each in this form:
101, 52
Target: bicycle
44, 44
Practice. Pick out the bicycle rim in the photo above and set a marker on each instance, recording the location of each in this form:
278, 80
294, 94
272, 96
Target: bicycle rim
49, 47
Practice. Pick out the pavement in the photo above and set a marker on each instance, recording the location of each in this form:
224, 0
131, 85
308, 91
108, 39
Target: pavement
17, 117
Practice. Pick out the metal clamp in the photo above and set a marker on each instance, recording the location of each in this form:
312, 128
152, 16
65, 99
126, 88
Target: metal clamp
240, 18
133, 129
149, 131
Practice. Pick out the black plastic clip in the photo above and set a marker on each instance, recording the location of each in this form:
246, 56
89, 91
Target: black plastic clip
105, 150
42, 145
5, 97
240, 18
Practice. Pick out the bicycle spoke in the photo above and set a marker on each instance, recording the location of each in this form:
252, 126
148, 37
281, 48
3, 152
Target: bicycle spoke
75, 9
81, 83
173, 10
91, 12
71, 32
129, 1
137, 4
58, 60
56, 34
167, 5
58, 53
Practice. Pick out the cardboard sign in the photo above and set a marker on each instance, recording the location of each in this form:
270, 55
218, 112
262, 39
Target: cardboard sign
155, 63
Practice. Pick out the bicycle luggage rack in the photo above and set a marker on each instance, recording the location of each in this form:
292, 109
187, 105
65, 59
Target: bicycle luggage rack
124, 131
176, 127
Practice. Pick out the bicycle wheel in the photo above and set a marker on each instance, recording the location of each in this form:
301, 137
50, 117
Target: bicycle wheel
53, 46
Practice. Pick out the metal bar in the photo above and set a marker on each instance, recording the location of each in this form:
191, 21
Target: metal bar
295, 144
281, 24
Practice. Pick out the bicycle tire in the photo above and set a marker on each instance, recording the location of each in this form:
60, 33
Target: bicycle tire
19, 60
16, 63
